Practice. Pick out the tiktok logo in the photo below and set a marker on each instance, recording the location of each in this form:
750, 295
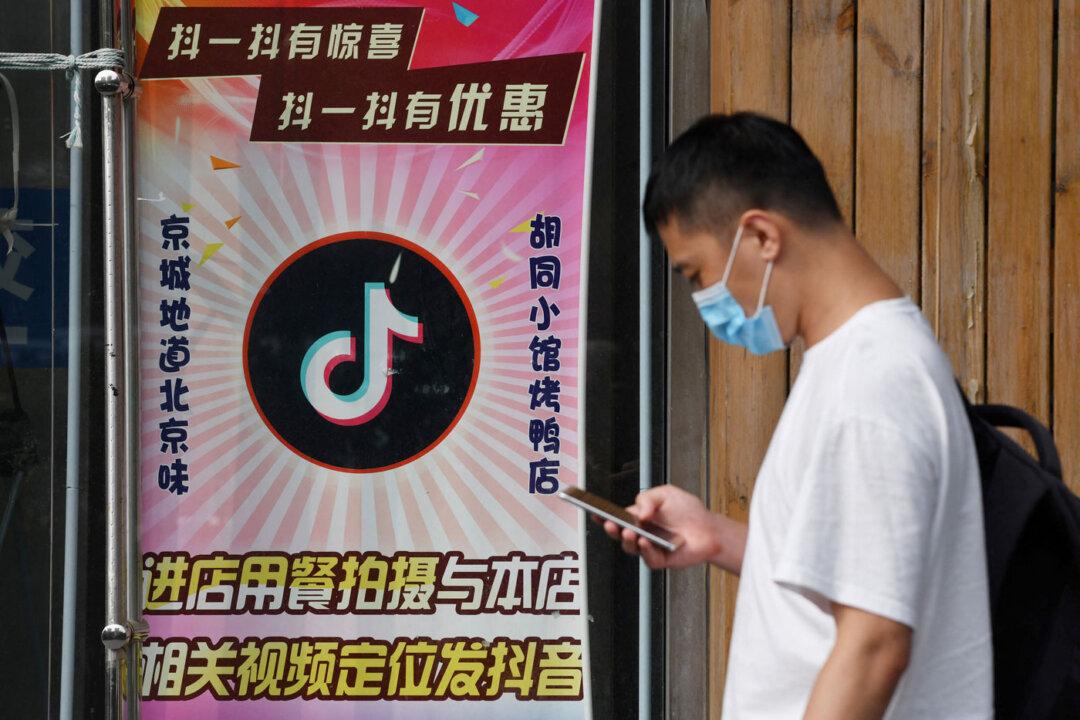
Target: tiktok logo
382, 322
361, 352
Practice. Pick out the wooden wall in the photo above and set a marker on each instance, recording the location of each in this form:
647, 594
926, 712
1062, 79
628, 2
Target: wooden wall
950, 131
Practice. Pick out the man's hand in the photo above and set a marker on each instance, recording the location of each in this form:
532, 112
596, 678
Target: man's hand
861, 674
707, 537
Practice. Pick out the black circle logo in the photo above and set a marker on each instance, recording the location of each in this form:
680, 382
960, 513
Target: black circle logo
361, 352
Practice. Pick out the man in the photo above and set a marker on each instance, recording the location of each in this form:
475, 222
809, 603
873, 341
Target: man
863, 573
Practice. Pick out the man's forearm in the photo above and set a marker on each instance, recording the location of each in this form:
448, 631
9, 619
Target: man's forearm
856, 683
731, 541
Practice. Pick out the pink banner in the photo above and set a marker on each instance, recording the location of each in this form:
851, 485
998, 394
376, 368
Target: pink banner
362, 245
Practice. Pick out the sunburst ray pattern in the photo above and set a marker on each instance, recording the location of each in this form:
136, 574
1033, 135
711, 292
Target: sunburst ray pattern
468, 239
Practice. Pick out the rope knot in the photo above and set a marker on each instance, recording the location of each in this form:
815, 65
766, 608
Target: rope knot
72, 65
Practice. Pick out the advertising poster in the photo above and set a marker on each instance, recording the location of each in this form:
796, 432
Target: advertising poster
362, 270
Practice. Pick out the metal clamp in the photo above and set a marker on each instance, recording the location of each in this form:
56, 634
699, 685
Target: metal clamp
116, 636
111, 82
140, 629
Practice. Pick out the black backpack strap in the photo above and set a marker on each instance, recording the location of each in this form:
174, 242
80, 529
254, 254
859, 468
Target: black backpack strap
1008, 416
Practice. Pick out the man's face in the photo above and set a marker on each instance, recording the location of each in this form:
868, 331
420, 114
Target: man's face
700, 256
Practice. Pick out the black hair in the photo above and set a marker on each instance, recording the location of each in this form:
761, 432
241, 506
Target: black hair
726, 164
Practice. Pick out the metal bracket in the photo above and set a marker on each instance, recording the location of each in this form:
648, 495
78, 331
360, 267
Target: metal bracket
117, 636
140, 629
115, 82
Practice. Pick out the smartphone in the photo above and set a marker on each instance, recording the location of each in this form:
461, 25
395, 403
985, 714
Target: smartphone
608, 510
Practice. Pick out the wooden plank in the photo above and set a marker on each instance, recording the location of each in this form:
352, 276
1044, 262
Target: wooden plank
1018, 219
822, 97
1066, 380
751, 56
688, 680
822, 87
953, 176
750, 71
888, 71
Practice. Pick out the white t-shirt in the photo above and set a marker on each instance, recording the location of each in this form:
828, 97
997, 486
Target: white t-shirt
868, 496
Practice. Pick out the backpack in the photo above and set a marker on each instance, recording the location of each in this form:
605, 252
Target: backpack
1032, 524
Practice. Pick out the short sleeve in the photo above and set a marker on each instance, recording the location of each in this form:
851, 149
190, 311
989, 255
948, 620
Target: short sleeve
859, 530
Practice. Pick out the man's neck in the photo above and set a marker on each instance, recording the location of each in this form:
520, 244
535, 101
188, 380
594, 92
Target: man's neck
843, 279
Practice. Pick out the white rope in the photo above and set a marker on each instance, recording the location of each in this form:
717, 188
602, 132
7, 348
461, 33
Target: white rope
101, 59
13, 108
9, 215
75, 65
93, 60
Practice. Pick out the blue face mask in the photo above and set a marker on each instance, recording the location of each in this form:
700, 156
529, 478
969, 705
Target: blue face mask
725, 317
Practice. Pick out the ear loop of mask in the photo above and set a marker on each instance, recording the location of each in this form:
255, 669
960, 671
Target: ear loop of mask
731, 255
731, 262
764, 288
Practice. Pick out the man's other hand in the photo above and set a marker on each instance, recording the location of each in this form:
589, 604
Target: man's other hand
707, 537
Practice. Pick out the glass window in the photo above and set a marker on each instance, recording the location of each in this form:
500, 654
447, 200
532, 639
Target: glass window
35, 399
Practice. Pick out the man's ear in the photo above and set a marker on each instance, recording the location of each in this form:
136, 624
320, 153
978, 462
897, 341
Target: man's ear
763, 232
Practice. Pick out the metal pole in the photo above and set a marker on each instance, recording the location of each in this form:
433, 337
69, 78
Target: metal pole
116, 633
72, 484
645, 341
124, 628
130, 389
